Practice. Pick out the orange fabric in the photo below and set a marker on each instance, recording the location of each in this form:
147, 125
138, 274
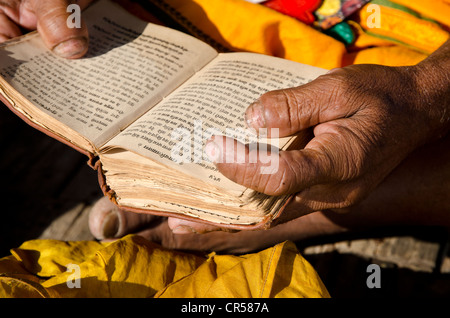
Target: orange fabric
244, 26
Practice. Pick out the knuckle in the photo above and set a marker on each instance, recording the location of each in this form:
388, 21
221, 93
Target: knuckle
165, 237
282, 109
350, 194
172, 241
343, 91
283, 186
242, 173
289, 108
276, 185
286, 180
352, 197
351, 157
53, 19
336, 196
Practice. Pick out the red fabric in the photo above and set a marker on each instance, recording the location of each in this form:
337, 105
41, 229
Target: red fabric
300, 9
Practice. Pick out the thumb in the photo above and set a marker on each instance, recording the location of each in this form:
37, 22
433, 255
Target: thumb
63, 38
295, 109
267, 170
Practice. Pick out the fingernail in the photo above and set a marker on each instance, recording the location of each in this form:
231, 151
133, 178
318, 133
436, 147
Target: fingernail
111, 225
71, 47
184, 229
254, 116
213, 151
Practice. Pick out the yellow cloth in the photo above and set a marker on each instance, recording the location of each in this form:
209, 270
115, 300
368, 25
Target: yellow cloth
412, 31
438, 10
135, 267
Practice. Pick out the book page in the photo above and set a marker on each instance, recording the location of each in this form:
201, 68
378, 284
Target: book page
130, 66
211, 102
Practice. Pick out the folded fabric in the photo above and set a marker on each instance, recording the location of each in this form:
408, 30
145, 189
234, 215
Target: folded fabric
299, 9
405, 26
244, 26
332, 12
438, 10
135, 267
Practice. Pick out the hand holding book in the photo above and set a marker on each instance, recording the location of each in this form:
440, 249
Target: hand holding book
50, 19
141, 104
364, 128
335, 170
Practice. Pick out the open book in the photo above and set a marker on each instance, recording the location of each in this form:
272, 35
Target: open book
142, 104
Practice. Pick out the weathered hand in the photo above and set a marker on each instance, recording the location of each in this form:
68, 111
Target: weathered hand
49, 17
415, 193
366, 120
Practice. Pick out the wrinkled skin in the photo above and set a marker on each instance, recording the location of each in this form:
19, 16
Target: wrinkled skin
415, 193
379, 151
50, 19
366, 118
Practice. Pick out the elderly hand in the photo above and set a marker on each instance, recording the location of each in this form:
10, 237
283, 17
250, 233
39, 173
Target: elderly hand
414, 194
49, 17
366, 120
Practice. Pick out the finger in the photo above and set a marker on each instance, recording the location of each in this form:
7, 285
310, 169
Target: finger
267, 170
241, 242
19, 12
162, 234
335, 155
179, 226
295, 109
106, 220
8, 29
217, 241
65, 41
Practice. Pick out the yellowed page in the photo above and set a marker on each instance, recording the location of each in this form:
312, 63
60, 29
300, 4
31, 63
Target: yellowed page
130, 66
213, 101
